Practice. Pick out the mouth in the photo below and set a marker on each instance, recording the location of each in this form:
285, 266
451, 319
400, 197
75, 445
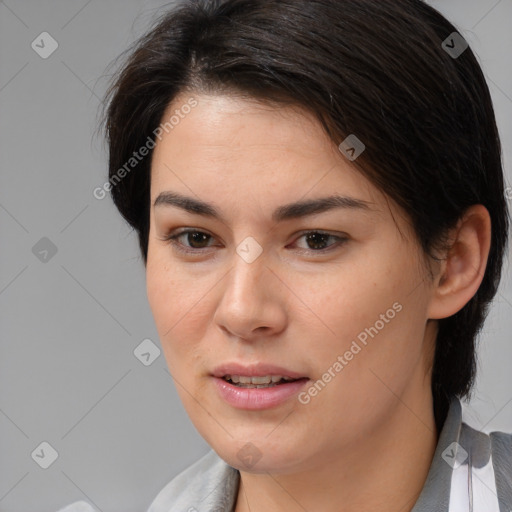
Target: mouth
267, 381
257, 387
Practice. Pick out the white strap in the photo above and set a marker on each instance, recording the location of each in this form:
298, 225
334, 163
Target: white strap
474, 491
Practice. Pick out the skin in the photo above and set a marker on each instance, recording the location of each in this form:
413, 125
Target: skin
367, 439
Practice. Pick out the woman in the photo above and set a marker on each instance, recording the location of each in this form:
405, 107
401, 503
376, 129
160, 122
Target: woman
319, 199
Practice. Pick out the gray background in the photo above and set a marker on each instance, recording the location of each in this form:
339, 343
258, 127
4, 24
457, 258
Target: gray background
69, 325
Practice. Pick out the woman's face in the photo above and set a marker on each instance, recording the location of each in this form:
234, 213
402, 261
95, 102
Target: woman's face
267, 284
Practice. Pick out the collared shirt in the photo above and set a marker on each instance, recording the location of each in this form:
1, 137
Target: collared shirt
470, 472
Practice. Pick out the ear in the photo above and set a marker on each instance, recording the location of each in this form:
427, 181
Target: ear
464, 264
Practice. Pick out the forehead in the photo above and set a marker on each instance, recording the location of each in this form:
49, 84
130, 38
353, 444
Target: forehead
233, 125
238, 149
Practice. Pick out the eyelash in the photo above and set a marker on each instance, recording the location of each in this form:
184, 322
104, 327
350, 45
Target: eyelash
173, 237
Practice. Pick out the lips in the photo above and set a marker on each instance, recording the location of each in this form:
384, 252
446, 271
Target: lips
257, 387
257, 382
256, 370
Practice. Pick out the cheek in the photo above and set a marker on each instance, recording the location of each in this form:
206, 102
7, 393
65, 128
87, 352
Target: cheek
179, 307
350, 298
373, 316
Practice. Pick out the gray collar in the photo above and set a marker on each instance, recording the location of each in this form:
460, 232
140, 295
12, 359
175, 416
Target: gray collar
435, 494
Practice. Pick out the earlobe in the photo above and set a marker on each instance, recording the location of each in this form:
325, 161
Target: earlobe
463, 268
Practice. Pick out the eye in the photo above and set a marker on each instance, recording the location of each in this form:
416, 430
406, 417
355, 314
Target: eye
197, 239
317, 240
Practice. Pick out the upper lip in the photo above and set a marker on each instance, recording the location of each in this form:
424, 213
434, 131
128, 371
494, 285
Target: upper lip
254, 370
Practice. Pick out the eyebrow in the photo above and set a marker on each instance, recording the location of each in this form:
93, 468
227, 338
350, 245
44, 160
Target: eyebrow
288, 211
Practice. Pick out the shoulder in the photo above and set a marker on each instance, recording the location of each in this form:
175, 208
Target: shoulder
208, 484
501, 451
491, 459
469, 466
501, 445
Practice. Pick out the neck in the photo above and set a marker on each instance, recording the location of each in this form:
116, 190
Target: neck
384, 472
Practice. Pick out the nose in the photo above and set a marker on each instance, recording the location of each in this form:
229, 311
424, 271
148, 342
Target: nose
253, 300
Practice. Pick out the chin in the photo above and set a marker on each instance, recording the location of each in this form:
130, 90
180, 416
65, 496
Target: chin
258, 454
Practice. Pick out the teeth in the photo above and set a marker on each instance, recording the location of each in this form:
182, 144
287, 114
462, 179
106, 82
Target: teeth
256, 380
259, 382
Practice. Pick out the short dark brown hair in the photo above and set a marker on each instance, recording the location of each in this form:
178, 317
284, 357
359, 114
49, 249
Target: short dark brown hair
373, 68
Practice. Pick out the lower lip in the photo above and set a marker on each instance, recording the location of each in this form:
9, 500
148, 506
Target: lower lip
257, 398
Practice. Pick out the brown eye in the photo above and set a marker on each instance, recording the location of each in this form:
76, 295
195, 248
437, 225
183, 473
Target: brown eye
318, 241
189, 240
197, 239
